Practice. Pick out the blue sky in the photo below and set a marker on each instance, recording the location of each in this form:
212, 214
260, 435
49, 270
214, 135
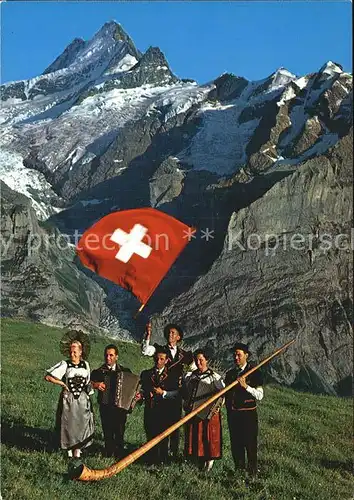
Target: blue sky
201, 40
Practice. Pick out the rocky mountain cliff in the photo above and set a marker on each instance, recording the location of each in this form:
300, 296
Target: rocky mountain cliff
282, 274
40, 280
106, 128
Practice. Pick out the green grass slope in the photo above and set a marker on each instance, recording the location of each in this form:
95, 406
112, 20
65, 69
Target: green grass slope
304, 445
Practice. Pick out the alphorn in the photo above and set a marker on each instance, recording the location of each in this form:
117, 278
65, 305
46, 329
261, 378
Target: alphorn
83, 473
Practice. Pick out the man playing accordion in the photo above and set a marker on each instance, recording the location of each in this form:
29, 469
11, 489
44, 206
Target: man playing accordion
116, 387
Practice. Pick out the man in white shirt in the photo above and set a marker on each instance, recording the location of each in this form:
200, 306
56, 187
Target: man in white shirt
241, 405
177, 360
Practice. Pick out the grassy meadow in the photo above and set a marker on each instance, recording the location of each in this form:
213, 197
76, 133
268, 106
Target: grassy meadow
304, 446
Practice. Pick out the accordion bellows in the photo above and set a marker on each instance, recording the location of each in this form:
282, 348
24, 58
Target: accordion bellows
127, 384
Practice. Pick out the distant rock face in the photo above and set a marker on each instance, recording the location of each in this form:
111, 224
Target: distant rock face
39, 278
120, 35
151, 69
167, 183
274, 120
14, 91
228, 87
107, 128
286, 271
67, 57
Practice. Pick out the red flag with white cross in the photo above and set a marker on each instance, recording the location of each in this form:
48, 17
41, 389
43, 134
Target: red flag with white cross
134, 248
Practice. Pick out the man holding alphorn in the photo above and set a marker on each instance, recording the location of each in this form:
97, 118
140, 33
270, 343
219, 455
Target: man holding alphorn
241, 405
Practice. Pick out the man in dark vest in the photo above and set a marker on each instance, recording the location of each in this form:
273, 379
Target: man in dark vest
159, 389
113, 419
241, 405
178, 359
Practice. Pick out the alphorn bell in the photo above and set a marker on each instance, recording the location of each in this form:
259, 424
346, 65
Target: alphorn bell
83, 473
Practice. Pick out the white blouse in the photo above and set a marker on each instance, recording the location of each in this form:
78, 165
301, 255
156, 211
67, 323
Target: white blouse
77, 377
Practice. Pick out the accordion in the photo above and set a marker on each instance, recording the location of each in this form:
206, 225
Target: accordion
125, 390
199, 392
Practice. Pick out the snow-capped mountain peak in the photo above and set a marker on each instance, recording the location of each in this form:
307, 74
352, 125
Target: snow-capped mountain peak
67, 57
282, 77
97, 94
80, 63
331, 68
78, 50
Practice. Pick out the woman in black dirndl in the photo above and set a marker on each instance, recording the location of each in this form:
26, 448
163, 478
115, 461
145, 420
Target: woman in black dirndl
74, 415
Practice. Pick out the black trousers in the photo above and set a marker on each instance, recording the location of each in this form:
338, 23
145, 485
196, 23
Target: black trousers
243, 428
113, 425
155, 422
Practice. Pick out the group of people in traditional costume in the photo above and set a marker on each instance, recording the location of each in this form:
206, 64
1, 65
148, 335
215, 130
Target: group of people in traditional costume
178, 380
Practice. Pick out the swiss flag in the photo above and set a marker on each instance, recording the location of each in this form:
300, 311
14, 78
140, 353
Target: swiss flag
134, 248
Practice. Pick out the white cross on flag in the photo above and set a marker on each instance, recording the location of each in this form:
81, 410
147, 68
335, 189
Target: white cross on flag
134, 248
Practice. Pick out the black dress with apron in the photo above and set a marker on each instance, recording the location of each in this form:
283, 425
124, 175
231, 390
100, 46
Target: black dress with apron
74, 410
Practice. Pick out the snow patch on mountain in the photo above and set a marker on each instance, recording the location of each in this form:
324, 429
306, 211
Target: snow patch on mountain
287, 95
331, 69
281, 78
220, 145
324, 142
322, 145
301, 82
125, 64
15, 110
178, 99
343, 87
297, 118
28, 182
86, 130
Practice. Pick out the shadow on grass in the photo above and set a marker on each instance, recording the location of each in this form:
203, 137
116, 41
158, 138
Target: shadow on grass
16, 434
339, 465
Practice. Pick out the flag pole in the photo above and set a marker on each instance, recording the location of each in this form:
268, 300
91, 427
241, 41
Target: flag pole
139, 310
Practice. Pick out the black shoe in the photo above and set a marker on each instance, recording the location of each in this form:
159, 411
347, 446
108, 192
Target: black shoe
75, 468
